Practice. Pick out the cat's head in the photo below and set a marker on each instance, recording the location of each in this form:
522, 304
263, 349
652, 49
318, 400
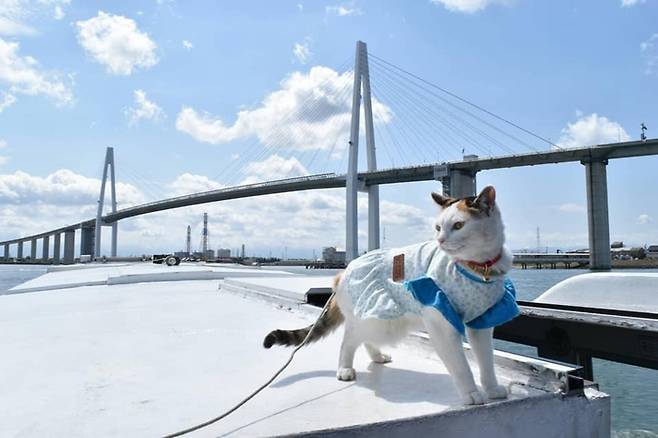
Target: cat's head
470, 228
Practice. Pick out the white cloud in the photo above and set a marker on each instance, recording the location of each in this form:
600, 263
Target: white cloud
3, 158
143, 109
6, 100
33, 204
188, 183
627, 3
15, 13
644, 219
63, 187
59, 13
571, 208
273, 168
649, 49
187, 45
12, 14
22, 74
302, 51
592, 130
310, 111
467, 6
343, 10
117, 43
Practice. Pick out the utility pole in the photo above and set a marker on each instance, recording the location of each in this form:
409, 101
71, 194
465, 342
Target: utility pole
643, 136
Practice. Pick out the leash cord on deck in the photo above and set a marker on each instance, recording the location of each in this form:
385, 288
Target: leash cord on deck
263, 386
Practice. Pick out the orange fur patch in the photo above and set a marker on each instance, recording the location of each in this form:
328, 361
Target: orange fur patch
337, 279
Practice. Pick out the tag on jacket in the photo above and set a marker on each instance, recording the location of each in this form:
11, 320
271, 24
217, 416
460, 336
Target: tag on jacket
398, 267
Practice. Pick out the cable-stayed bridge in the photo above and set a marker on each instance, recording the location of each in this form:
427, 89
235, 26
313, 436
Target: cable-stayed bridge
431, 121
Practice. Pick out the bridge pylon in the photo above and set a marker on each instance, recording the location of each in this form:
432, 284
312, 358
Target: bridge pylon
109, 162
361, 89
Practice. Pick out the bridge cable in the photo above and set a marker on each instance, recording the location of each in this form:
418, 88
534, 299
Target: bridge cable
412, 109
463, 121
277, 140
465, 135
242, 162
465, 101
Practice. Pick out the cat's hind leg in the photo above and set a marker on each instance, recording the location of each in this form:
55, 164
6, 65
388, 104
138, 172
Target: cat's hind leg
350, 343
481, 341
448, 344
376, 355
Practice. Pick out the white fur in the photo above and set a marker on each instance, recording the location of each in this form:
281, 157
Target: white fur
480, 239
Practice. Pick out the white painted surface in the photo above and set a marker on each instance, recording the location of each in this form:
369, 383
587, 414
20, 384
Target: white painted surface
294, 287
100, 274
612, 290
137, 360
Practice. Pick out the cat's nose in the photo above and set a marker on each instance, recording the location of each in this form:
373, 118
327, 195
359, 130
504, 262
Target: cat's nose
441, 240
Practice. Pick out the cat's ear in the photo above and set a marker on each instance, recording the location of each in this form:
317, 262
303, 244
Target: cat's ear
486, 200
443, 201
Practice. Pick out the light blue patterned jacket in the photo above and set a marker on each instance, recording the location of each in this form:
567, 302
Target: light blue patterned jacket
432, 278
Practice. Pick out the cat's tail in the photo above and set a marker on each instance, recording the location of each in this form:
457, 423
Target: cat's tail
331, 319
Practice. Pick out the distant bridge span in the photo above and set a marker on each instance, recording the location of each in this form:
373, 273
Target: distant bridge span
462, 172
428, 172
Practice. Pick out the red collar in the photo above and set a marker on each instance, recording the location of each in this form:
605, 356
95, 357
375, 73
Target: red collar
485, 265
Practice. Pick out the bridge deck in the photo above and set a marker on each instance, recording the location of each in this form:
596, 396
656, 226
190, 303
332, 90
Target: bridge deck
387, 176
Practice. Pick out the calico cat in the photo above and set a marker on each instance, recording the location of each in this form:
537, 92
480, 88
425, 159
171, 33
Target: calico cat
453, 285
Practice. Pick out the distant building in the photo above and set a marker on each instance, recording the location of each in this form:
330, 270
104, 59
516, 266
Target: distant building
210, 254
652, 252
331, 255
223, 253
614, 245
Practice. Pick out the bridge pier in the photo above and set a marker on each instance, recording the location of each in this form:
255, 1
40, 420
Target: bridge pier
45, 248
597, 215
87, 235
33, 250
115, 232
69, 247
461, 183
6, 257
56, 247
19, 250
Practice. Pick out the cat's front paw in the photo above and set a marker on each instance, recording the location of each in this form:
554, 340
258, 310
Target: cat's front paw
476, 397
346, 374
496, 392
381, 358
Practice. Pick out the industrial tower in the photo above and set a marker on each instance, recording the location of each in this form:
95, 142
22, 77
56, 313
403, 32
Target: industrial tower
204, 241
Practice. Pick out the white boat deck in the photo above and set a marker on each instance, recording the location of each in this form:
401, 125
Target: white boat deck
151, 358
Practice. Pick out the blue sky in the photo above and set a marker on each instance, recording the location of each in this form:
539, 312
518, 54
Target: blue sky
163, 82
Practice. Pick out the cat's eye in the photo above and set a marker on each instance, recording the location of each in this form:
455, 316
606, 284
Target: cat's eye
458, 225
438, 228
